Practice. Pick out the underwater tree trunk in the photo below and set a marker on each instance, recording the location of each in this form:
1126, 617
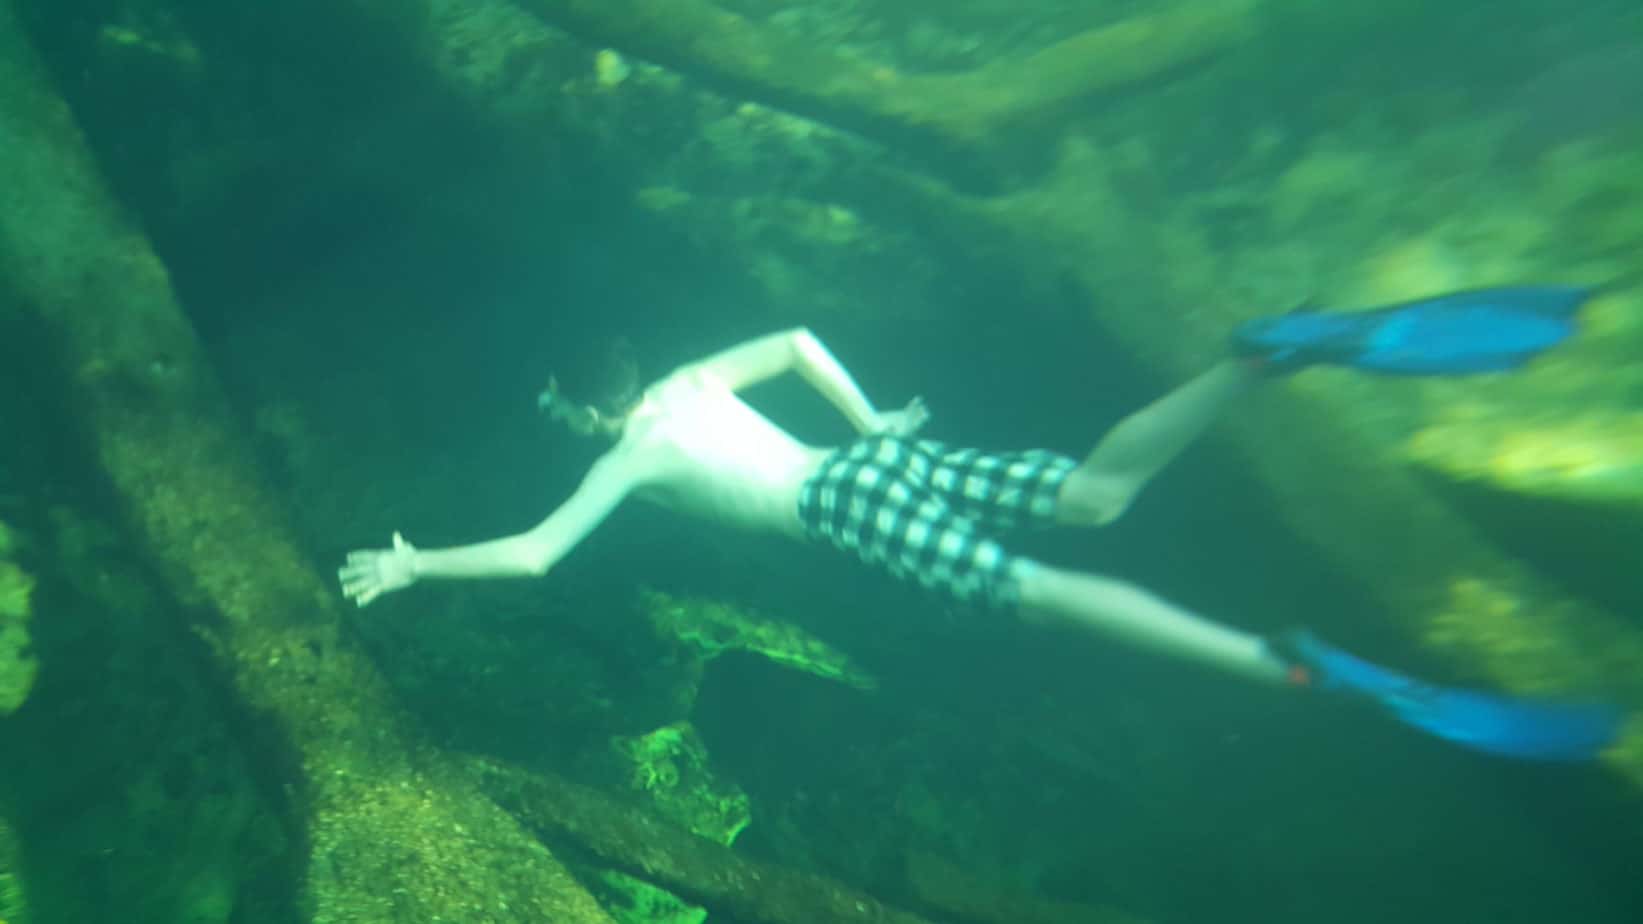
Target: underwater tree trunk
392, 833
967, 119
696, 868
755, 892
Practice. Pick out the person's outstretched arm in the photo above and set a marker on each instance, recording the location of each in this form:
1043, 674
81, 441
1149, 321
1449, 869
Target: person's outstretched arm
798, 350
370, 573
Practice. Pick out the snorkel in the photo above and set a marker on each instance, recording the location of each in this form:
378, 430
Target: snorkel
582, 419
601, 389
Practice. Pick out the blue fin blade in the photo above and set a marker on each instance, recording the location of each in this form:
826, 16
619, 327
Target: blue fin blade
1485, 330
1524, 729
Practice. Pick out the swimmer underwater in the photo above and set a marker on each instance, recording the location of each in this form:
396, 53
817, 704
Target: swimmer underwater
928, 512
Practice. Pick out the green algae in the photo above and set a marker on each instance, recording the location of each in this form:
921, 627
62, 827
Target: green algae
631, 900
660, 852
972, 122
1591, 456
18, 665
670, 766
390, 832
14, 906
713, 627
671, 769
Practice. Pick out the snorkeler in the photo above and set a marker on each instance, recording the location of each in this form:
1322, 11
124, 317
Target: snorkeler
927, 512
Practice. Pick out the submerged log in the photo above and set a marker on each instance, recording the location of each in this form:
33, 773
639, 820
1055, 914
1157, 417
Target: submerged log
392, 834
716, 876
964, 119
697, 869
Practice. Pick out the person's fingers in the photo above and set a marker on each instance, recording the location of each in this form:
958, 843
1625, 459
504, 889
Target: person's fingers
358, 587
361, 556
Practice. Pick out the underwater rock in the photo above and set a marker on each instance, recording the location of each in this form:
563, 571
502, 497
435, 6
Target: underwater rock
712, 627
721, 879
1593, 459
810, 259
670, 768
659, 852
1590, 95
634, 901
391, 833
134, 788
968, 896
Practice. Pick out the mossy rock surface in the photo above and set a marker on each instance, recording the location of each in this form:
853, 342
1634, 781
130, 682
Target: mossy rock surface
18, 666
670, 767
13, 896
634, 901
713, 627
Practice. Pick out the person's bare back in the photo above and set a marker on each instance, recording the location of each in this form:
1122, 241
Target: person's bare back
691, 444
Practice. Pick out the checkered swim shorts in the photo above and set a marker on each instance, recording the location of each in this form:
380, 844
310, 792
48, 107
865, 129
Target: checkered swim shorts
919, 508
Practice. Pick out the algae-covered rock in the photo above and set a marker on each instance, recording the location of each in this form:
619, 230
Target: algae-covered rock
390, 833
713, 627
1593, 456
670, 766
13, 897
966, 894
18, 666
694, 867
963, 119
671, 769
634, 901
809, 258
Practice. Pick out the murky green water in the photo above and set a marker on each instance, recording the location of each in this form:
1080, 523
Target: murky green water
388, 224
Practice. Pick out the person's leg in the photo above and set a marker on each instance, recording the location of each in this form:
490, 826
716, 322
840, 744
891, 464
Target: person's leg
1131, 453
1530, 729
1112, 609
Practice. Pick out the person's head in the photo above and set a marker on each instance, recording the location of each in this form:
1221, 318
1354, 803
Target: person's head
594, 392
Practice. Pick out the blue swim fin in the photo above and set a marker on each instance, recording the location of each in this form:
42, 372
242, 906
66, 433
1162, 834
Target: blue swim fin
1486, 330
1525, 729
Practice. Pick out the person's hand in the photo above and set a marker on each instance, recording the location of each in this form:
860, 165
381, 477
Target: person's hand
906, 421
370, 573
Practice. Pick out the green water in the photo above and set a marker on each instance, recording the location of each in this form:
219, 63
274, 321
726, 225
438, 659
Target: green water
389, 223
